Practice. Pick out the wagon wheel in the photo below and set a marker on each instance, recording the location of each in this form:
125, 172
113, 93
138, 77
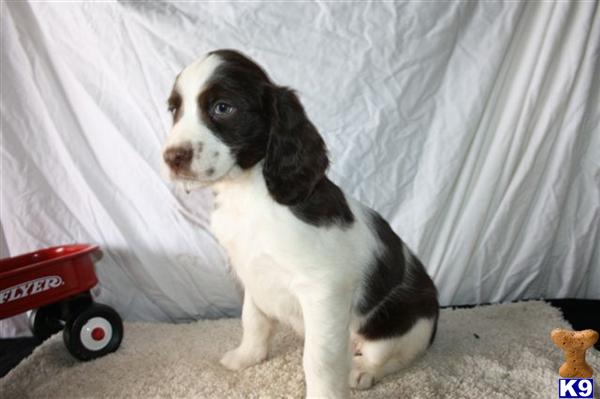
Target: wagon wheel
95, 332
45, 321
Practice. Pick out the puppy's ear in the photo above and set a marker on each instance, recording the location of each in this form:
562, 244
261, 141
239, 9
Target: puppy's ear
296, 157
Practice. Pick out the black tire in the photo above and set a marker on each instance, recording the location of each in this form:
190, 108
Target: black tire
45, 321
79, 336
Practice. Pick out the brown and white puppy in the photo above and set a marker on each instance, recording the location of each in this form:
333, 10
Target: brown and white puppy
307, 254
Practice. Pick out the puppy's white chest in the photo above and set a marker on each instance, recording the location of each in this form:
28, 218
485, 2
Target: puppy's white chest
244, 226
238, 224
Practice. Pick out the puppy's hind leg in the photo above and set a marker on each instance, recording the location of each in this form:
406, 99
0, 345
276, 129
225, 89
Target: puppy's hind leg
386, 356
254, 347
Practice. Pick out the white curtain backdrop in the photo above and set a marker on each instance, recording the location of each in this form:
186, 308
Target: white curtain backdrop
474, 128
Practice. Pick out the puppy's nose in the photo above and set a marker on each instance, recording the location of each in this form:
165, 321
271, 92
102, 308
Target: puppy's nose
178, 157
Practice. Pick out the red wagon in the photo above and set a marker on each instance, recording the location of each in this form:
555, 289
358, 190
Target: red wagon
55, 283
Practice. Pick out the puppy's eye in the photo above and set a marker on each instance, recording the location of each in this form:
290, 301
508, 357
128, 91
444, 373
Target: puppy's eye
173, 107
223, 109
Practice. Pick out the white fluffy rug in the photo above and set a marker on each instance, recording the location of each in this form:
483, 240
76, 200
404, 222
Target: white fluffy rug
499, 351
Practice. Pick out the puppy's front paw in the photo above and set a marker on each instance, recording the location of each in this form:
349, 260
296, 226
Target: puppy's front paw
238, 359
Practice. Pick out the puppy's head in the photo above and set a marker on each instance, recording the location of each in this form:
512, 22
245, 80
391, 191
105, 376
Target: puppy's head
227, 114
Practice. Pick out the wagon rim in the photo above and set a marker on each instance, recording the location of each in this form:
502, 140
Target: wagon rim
48, 256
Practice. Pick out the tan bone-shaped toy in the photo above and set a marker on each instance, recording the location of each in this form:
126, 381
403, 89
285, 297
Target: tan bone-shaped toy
574, 344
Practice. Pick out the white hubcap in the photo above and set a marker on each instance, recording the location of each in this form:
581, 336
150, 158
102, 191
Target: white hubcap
96, 333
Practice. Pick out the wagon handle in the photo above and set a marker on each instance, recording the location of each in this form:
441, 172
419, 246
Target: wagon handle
97, 255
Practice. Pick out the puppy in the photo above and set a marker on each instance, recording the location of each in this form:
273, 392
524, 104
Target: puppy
307, 254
